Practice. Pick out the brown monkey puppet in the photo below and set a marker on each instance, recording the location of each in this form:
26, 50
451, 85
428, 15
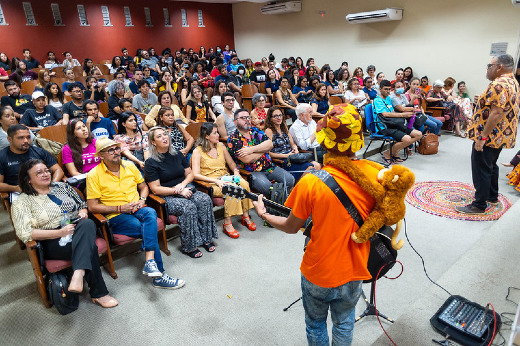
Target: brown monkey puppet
392, 184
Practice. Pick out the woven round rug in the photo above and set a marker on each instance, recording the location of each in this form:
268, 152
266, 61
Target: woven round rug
441, 197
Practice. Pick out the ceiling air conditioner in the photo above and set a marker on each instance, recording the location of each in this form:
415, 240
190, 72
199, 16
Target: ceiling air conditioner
377, 16
516, 2
282, 7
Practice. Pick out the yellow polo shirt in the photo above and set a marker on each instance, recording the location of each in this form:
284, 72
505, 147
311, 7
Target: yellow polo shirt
112, 190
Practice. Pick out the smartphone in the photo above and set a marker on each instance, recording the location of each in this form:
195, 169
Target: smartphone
76, 220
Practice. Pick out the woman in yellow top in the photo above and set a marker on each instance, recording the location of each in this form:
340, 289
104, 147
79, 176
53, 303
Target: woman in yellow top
208, 162
165, 99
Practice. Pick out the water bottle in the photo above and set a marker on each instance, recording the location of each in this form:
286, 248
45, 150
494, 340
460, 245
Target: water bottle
65, 220
231, 179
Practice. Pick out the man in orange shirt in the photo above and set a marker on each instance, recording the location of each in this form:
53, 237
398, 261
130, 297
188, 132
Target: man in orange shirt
333, 266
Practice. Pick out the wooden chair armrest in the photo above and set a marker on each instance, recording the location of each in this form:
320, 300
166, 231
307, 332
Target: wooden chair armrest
99, 219
202, 184
278, 162
436, 108
245, 173
155, 200
31, 245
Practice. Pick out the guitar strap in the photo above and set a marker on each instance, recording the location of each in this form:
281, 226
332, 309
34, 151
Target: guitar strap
375, 241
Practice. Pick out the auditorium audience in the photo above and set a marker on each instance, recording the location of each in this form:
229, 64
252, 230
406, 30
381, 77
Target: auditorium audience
413, 97
399, 75
42, 115
286, 99
425, 87
355, 95
98, 125
94, 90
216, 99
69, 74
302, 91
259, 111
258, 75
37, 214
180, 139
22, 73
145, 100
396, 123
407, 76
29, 61
198, 109
224, 122
209, 161
463, 102
43, 79
249, 148
169, 176
320, 103
19, 103
333, 87
54, 95
369, 88
358, 74
438, 98
186, 92
78, 155
74, 108
272, 84
119, 191
70, 62
165, 99
303, 131
7, 118
283, 143
19, 151
134, 145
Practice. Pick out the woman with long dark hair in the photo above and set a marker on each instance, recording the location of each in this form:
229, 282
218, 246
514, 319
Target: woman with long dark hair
116, 63
134, 145
22, 74
87, 66
180, 139
198, 109
5, 63
209, 161
78, 155
54, 95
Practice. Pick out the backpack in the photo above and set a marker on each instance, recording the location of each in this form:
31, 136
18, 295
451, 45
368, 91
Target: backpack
54, 148
429, 144
59, 295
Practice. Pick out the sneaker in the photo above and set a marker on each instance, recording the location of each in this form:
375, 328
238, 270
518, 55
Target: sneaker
493, 203
168, 282
150, 269
469, 209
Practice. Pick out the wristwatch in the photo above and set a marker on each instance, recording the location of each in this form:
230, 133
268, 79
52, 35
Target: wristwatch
142, 198
480, 138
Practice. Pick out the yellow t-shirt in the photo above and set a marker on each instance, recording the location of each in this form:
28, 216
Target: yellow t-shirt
111, 190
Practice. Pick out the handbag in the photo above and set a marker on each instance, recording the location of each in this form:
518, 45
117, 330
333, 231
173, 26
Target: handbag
58, 289
420, 120
299, 158
393, 123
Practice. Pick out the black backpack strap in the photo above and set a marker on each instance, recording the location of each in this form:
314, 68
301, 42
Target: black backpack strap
329, 180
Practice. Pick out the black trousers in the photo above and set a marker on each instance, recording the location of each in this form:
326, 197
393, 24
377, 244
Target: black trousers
83, 253
484, 170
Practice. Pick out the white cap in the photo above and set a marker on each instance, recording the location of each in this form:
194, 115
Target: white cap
37, 95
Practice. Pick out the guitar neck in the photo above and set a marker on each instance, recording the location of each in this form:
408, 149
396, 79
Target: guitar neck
285, 211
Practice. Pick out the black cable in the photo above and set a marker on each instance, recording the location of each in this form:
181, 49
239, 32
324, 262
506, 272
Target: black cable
509, 291
509, 321
424, 267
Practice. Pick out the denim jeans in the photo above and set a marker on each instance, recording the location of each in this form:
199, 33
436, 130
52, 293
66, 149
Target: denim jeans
434, 125
342, 301
141, 224
262, 180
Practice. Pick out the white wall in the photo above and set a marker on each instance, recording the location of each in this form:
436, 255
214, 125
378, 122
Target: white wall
436, 38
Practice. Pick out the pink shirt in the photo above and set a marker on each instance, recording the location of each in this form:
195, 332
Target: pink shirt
89, 160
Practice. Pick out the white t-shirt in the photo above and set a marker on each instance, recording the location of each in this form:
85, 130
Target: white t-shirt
349, 95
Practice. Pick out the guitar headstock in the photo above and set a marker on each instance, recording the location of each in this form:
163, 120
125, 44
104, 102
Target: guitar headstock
233, 191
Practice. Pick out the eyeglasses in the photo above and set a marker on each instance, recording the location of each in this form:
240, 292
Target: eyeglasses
76, 91
245, 118
111, 151
261, 100
40, 174
277, 116
489, 65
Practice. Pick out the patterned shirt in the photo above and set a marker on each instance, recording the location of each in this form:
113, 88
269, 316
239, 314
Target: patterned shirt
176, 138
45, 211
432, 94
236, 141
281, 143
139, 142
504, 93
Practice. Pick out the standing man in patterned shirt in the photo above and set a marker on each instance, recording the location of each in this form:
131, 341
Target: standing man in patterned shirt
493, 127
249, 148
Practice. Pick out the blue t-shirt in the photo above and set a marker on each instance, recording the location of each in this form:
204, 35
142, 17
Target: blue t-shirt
334, 86
133, 87
372, 93
297, 89
273, 86
323, 105
66, 85
103, 128
383, 105
232, 67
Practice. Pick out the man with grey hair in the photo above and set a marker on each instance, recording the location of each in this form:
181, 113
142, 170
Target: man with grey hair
118, 190
249, 148
303, 131
493, 127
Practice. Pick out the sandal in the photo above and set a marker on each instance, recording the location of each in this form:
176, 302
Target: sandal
232, 234
387, 161
397, 159
210, 247
194, 254
251, 226
461, 135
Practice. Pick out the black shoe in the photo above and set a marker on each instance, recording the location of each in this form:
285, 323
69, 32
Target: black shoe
493, 203
469, 209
